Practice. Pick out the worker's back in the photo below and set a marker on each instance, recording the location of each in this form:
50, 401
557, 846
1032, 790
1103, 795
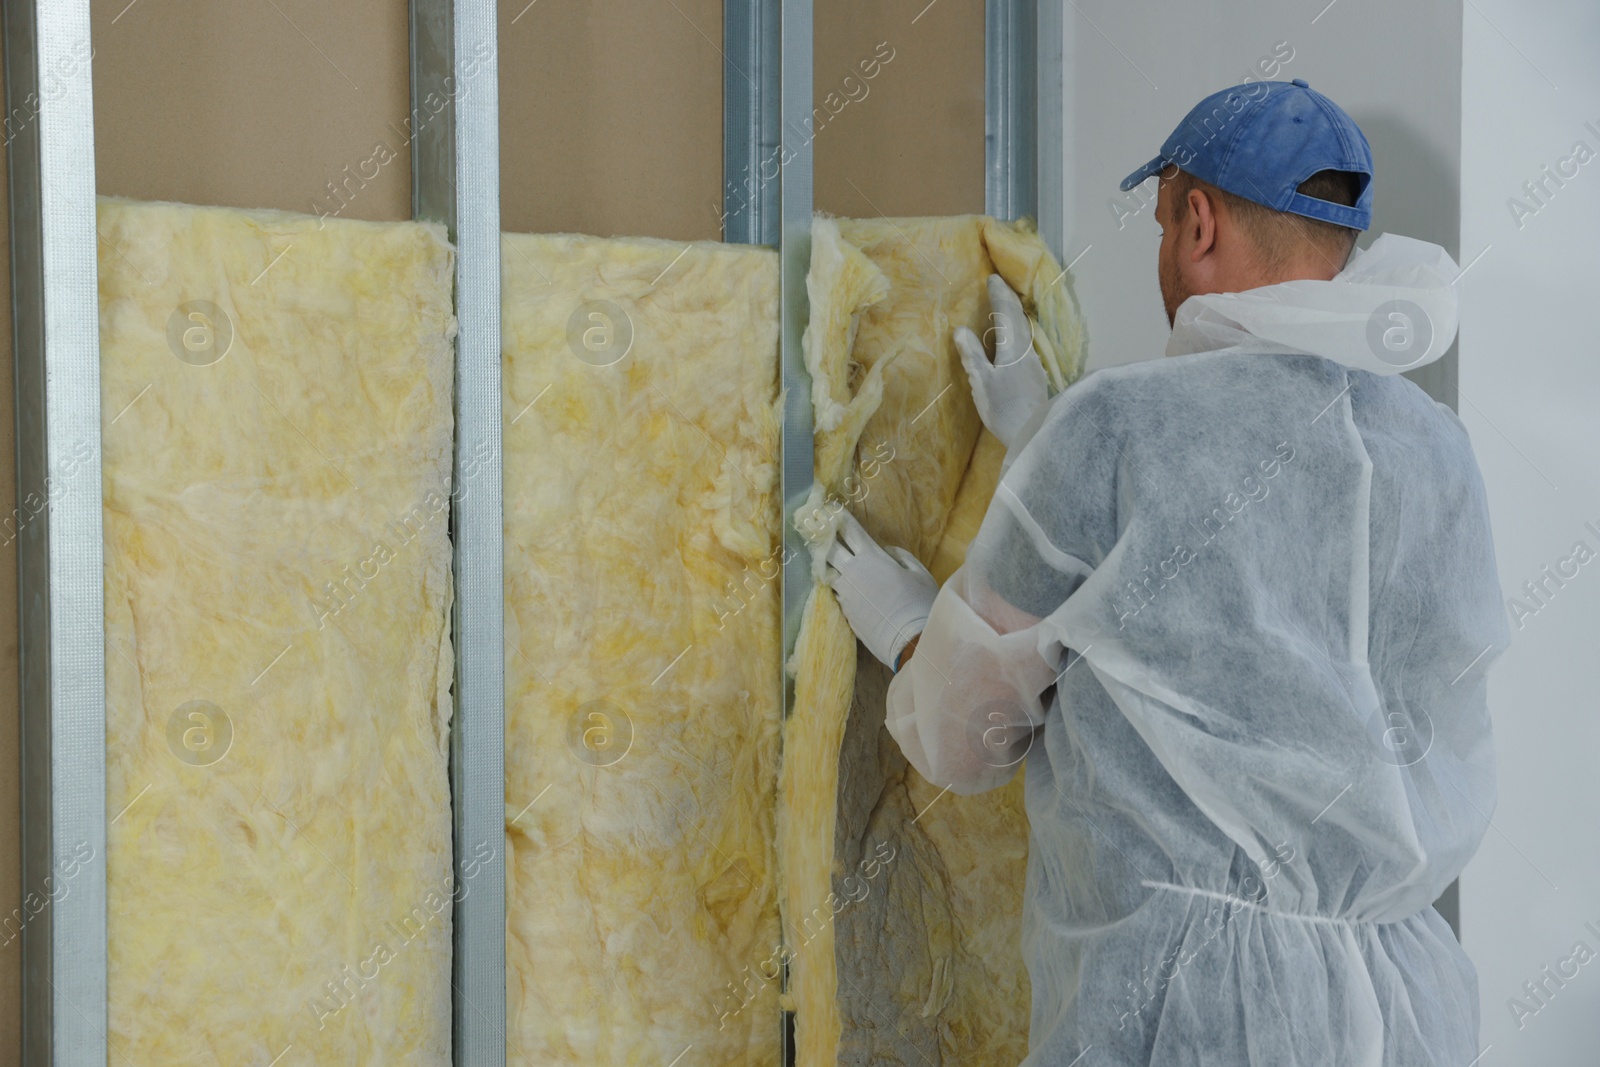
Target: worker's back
1274, 753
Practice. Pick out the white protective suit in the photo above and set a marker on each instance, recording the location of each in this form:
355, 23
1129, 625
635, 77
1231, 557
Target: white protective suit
1234, 609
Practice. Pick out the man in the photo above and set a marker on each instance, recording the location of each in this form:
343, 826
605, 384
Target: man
1233, 609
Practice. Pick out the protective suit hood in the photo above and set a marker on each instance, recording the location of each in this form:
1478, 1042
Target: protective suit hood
1392, 309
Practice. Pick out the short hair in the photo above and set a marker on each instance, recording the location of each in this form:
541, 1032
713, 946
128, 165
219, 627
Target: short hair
1275, 233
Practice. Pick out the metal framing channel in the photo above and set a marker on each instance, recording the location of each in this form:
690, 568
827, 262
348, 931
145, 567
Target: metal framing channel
1010, 126
750, 70
56, 313
1050, 109
767, 187
794, 249
791, 114
456, 180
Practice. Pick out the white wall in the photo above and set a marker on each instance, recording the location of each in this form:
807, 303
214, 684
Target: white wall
1135, 69
1492, 91
1530, 394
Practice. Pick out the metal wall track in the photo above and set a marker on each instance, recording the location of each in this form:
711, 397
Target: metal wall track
456, 180
794, 249
56, 316
767, 199
752, 53
1010, 185
1050, 125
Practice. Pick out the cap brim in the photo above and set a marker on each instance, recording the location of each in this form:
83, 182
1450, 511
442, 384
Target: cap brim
1155, 166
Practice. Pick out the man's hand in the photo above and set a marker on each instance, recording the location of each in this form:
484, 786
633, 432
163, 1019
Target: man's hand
1009, 390
885, 594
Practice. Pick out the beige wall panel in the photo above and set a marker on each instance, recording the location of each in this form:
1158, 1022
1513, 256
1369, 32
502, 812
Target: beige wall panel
611, 117
294, 104
611, 113
909, 139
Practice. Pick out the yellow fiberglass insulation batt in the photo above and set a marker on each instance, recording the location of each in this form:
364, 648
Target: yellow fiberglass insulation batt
276, 398
902, 906
643, 679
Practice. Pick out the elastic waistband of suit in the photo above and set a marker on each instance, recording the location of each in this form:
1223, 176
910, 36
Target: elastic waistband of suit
1238, 903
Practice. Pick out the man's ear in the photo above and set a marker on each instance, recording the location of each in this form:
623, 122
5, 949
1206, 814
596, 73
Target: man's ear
1202, 224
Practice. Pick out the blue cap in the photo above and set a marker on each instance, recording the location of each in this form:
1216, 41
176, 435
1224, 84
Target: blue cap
1260, 140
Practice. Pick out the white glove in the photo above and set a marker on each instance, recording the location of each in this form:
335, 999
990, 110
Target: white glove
885, 594
1009, 390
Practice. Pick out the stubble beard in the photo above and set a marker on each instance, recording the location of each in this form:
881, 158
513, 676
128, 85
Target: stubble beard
1172, 291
